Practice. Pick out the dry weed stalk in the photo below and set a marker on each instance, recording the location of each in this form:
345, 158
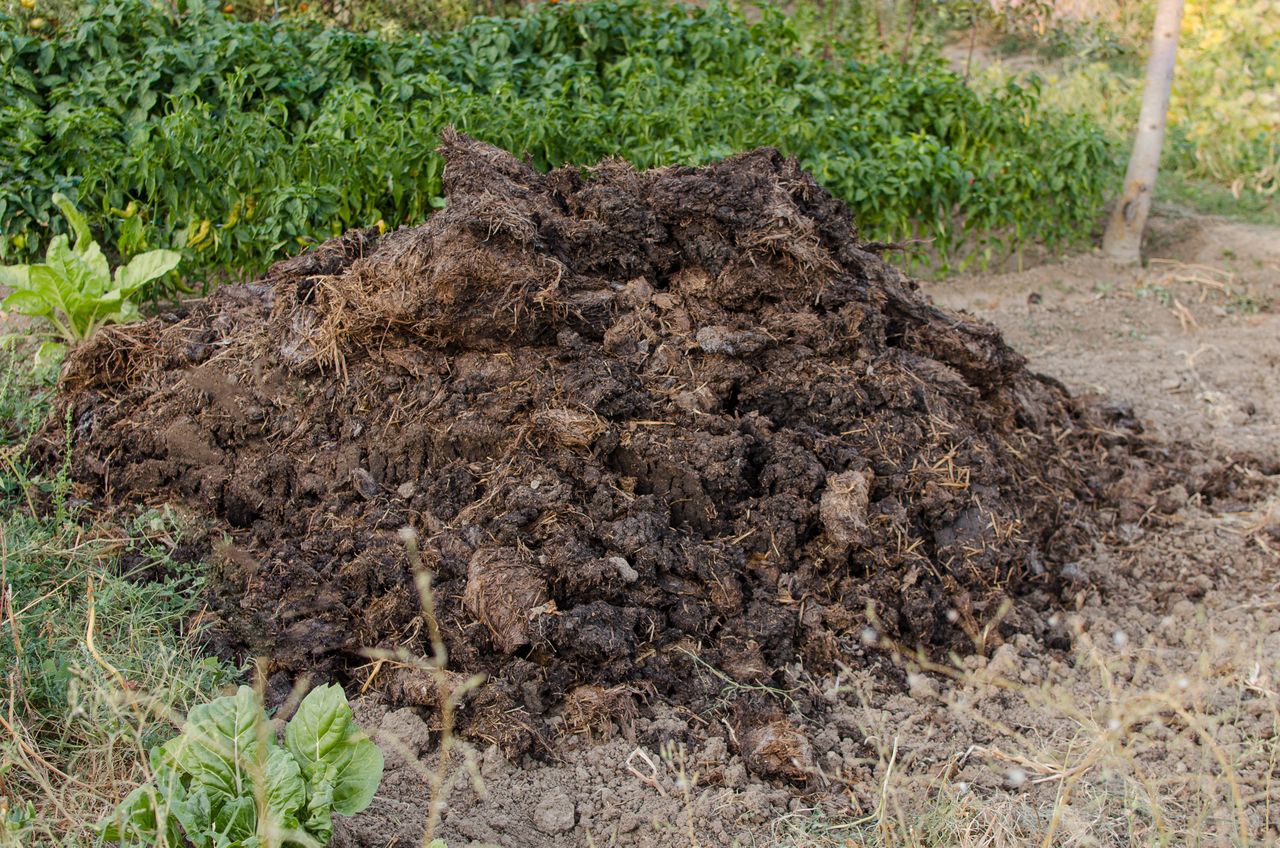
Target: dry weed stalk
449, 691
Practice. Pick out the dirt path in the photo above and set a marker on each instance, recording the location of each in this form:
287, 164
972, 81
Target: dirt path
1193, 341
1153, 719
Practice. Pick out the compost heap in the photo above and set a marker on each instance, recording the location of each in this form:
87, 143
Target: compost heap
642, 424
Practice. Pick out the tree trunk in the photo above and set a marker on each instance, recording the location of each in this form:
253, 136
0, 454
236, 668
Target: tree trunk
1123, 238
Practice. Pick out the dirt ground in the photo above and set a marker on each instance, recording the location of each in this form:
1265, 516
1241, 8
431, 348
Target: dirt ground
1155, 722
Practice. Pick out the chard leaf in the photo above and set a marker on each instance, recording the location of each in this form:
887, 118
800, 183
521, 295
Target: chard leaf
78, 273
286, 796
355, 782
27, 303
235, 821
319, 823
79, 223
194, 813
50, 351
331, 749
317, 733
134, 820
98, 278
14, 276
144, 268
51, 286
220, 744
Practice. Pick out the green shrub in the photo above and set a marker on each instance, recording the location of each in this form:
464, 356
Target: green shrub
1225, 111
238, 142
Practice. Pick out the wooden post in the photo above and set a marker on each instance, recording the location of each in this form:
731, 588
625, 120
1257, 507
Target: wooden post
1123, 239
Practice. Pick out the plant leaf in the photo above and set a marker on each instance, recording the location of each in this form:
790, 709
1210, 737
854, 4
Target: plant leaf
134, 820
144, 268
316, 733
68, 282
27, 303
49, 351
219, 744
356, 782
319, 823
14, 276
332, 750
79, 223
195, 816
286, 794
235, 821
86, 272
98, 277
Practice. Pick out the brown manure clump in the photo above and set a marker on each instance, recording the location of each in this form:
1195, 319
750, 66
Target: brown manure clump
643, 424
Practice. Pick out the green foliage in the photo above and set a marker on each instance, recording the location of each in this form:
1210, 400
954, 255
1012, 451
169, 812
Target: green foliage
224, 782
1225, 111
73, 289
238, 142
1213, 198
1224, 116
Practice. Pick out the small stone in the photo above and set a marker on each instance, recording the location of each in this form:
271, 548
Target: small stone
407, 490
730, 342
921, 687
1173, 499
778, 748
555, 814
735, 775
493, 764
1005, 662
700, 400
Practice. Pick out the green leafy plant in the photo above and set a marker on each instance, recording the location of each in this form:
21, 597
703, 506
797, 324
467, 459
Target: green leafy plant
239, 142
225, 782
74, 289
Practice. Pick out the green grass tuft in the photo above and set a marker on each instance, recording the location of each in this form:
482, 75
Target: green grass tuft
98, 641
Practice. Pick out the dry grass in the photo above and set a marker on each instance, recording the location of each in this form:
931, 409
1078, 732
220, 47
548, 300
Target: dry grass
98, 667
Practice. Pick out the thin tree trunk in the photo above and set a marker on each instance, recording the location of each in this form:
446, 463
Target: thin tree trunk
1123, 239
911, 25
973, 38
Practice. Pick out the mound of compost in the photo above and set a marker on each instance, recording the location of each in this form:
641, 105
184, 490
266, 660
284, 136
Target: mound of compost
639, 423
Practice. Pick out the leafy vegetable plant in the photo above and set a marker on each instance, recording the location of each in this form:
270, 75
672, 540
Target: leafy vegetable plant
73, 289
224, 782
239, 142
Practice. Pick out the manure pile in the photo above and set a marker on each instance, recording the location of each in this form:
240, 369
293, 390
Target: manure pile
635, 418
